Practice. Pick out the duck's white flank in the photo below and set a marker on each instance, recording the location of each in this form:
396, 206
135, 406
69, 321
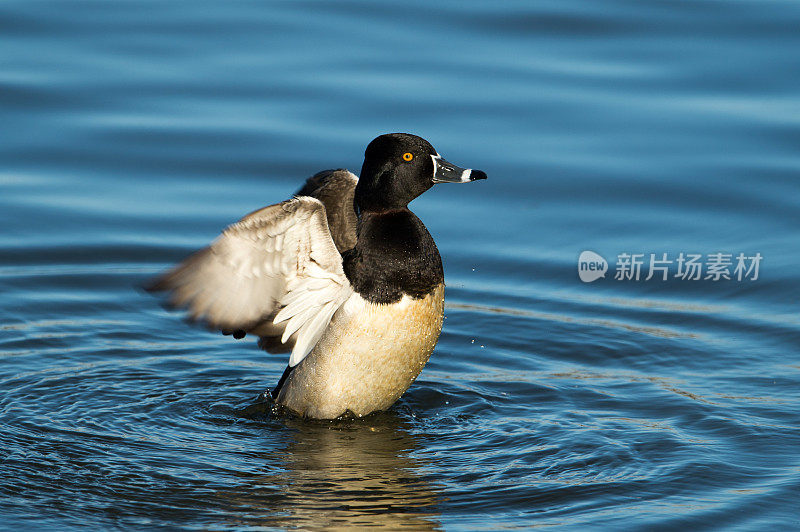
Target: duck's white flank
368, 356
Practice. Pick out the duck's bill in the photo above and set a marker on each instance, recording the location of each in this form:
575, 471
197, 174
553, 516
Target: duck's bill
447, 172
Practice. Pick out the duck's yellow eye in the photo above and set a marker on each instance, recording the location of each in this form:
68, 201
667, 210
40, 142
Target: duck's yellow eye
407, 156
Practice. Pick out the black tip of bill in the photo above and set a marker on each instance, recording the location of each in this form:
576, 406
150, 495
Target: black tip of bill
474, 175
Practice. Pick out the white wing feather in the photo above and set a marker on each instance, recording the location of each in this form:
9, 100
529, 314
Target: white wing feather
280, 256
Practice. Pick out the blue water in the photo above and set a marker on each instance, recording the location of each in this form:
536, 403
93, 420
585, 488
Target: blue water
133, 132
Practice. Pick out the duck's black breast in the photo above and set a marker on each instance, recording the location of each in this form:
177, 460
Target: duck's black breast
394, 256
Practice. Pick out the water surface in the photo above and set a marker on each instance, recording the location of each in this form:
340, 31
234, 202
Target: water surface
135, 131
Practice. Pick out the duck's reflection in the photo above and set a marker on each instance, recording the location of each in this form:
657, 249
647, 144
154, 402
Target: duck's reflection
352, 473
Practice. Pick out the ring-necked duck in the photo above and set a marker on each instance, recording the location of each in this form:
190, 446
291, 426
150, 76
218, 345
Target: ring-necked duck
343, 274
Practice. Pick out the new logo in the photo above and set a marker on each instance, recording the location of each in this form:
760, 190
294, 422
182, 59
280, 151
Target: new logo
591, 266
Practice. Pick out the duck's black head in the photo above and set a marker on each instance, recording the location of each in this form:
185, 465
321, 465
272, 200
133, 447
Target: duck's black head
398, 167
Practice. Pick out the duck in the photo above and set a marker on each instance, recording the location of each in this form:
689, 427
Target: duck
343, 276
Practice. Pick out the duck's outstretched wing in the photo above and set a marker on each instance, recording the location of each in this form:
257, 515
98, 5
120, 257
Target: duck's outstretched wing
336, 190
276, 271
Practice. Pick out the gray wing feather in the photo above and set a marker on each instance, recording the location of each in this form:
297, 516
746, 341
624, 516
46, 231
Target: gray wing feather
260, 264
336, 190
